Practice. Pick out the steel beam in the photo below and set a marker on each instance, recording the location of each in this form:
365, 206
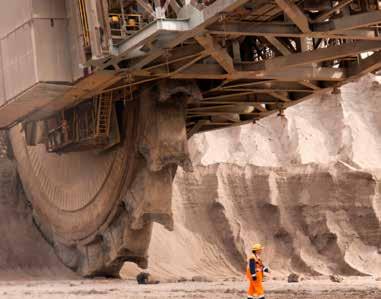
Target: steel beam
146, 6
149, 33
197, 21
355, 21
325, 15
214, 71
365, 66
278, 45
295, 14
322, 54
290, 30
216, 51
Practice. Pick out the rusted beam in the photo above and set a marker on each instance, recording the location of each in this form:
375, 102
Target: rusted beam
295, 14
146, 6
190, 63
173, 4
264, 98
322, 54
350, 22
365, 66
197, 23
215, 108
218, 113
309, 84
269, 85
325, 15
327, 30
247, 71
285, 52
279, 96
202, 71
278, 45
216, 51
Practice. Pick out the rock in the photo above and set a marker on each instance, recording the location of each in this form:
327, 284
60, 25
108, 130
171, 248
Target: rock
142, 278
293, 277
146, 278
200, 278
182, 279
336, 278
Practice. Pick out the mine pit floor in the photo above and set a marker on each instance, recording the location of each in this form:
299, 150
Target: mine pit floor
354, 288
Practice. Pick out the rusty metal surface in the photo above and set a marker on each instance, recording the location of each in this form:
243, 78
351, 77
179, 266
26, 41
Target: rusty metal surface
30, 101
250, 58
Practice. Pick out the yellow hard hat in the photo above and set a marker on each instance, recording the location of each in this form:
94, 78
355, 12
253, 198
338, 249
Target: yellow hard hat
131, 22
115, 19
257, 247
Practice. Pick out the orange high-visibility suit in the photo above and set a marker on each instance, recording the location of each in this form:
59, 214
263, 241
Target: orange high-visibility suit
254, 273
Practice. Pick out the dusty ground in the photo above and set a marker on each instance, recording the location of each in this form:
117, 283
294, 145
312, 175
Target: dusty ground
351, 288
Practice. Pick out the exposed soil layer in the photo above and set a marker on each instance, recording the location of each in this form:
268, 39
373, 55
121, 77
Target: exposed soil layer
313, 219
24, 253
306, 185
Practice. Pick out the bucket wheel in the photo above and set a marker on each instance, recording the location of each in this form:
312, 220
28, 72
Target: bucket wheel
96, 208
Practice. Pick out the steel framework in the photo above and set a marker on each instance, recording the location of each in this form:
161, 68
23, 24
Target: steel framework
249, 58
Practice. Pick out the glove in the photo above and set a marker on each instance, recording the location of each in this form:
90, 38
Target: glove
266, 269
254, 276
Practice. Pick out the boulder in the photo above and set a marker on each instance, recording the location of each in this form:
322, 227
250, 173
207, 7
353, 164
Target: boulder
293, 277
146, 278
336, 278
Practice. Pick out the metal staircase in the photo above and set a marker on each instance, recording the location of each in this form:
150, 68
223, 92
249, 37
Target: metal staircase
104, 115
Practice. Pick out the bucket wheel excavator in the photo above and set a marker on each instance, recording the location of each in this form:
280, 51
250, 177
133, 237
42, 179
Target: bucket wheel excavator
99, 98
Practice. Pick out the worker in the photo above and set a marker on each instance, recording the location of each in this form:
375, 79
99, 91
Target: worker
254, 273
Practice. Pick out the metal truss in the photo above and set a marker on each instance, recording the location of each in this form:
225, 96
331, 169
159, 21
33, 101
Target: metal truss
250, 58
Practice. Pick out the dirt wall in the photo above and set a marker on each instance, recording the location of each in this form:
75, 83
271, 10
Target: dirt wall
306, 185
24, 253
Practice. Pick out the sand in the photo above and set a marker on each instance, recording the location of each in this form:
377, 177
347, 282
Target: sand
354, 288
24, 254
307, 186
